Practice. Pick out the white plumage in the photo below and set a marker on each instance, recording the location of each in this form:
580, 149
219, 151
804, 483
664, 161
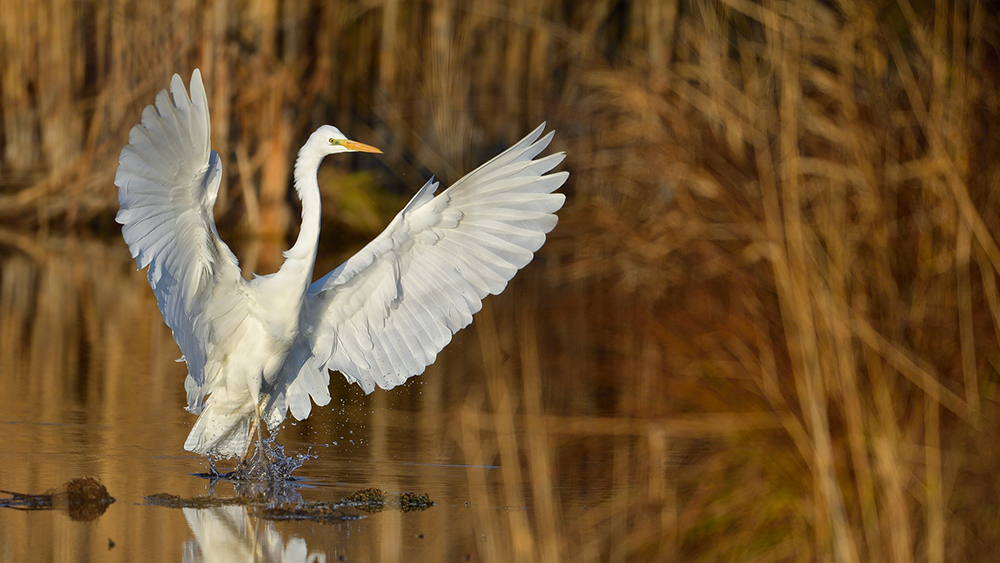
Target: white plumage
265, 346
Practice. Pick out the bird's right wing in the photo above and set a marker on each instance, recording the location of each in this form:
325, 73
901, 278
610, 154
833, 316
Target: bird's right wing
168, 179
383, 315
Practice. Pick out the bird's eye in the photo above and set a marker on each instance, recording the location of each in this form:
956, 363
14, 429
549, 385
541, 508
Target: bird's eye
334, 141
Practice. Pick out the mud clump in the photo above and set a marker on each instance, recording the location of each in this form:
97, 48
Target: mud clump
377, 500
174, 501
314, 511
370, 500
84, 498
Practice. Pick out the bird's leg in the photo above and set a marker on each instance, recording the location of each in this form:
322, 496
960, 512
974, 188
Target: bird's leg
258, 422
254, 427
256, 465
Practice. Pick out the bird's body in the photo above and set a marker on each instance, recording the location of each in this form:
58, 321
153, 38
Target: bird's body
263, 347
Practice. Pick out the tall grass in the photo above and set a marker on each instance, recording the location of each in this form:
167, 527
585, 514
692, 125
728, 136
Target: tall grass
436, 86
771, 304
804, 216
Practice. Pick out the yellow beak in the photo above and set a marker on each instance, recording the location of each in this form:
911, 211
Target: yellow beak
359, 147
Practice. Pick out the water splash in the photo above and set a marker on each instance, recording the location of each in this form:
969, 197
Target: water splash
268, 464
266, 475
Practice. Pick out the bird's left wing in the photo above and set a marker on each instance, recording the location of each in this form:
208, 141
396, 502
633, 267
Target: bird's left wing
383, 315
168, 180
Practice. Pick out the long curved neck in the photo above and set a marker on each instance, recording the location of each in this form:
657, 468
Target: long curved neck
301, 257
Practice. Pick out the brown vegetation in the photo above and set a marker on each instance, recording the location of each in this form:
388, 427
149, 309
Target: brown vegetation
768, 322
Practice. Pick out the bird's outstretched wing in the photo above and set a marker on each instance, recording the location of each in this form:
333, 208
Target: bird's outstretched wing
383, 315
168, 179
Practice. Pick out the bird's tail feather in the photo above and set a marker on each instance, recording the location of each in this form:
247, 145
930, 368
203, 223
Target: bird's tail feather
220, 431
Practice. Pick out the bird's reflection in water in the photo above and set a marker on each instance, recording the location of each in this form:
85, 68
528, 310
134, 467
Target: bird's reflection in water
228, 534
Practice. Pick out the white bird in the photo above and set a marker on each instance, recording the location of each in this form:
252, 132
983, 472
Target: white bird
257, 349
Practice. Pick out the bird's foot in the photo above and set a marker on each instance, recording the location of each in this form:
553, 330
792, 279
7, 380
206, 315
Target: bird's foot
262, 463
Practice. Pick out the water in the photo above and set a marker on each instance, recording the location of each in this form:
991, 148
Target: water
90, 388
137, 457
135, 465
149, 533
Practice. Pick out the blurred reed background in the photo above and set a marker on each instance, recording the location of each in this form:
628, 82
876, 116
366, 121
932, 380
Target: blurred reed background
767, 323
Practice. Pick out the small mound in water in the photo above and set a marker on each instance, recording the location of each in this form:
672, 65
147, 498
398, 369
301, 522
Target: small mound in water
377, 500
312, 511
174, 501
367, 500
315, 511
84, 498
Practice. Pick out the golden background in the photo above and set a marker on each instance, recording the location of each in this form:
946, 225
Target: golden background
765, 328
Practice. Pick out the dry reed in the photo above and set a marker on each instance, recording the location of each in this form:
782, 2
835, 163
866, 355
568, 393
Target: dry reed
804, 221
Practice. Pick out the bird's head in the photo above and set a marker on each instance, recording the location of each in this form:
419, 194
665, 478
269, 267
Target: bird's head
329, 140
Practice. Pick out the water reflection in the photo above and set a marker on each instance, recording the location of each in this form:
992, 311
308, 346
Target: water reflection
227, 534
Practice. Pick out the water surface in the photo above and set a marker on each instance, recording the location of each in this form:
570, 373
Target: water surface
91, 388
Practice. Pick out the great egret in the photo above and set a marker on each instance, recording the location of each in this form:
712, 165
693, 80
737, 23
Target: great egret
257, 349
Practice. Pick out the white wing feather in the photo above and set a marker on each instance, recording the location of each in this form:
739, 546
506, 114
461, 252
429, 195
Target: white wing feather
168, 179
383, 315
